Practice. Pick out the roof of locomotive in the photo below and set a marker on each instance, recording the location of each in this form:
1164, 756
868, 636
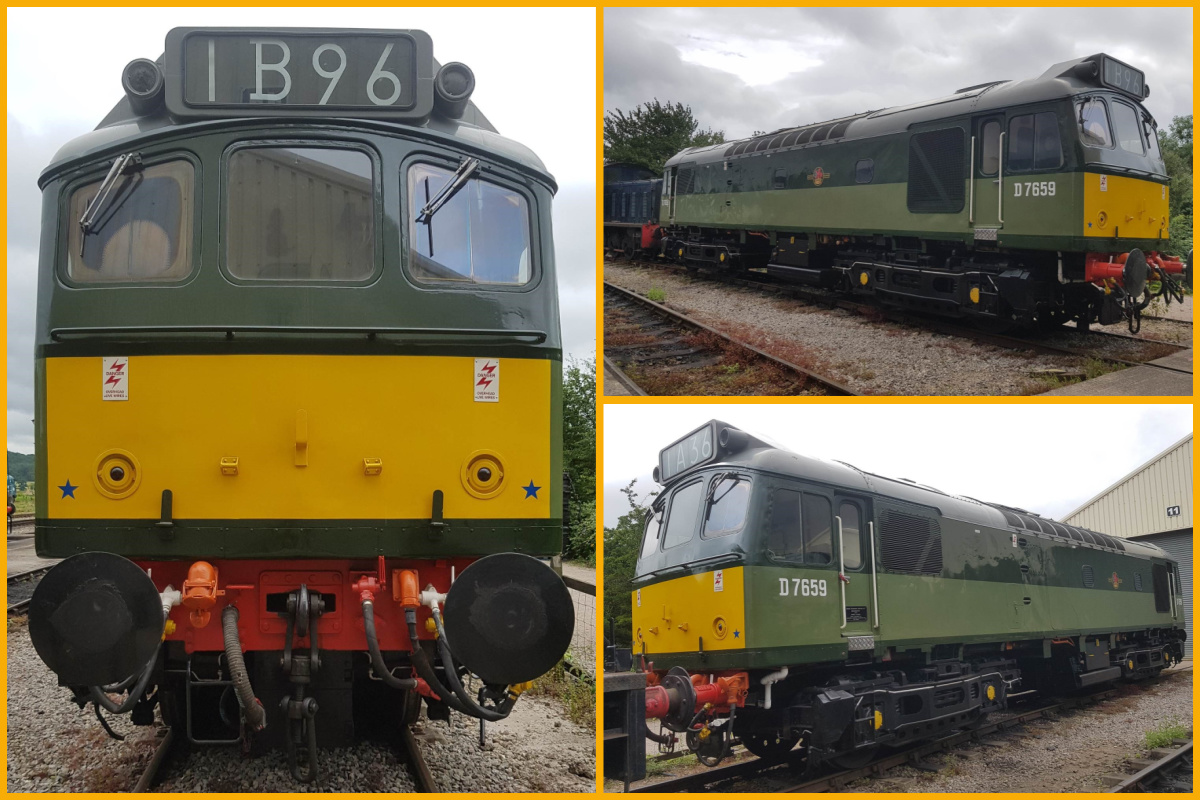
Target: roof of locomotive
1059, 82
123, 124
762, 456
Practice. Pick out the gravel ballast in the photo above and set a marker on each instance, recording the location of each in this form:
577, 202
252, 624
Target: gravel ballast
55, 746
871, 357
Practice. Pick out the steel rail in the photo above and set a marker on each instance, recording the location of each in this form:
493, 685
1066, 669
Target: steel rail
422, 777
945, 327
20, 577
679, 318
621, 378
149, 777
1145, 780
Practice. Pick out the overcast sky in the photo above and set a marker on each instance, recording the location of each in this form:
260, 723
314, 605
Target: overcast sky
747, 69
1049, 459
61, 86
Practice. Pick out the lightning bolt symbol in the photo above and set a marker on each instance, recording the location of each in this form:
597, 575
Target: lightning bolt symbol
486, 381
113, 380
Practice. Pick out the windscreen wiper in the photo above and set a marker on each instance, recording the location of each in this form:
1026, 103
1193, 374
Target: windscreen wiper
467, 168
87, 220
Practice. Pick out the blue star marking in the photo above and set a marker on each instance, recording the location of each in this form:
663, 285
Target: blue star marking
68, 490
531, 490
736, 633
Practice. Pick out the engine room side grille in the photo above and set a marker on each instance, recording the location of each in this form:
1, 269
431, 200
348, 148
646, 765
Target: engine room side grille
1089, 576
911, 543
936, 171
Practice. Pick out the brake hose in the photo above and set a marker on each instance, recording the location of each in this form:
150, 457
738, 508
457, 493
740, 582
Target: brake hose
377, 662
456, 685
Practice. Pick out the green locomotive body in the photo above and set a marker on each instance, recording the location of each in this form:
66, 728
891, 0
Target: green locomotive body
849, 610
1003, 201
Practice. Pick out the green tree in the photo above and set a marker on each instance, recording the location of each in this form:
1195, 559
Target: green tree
653, 132
621, 544
1176, 144
579, 455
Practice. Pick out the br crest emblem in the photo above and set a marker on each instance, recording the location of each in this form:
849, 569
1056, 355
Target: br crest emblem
819, 176
1115, 580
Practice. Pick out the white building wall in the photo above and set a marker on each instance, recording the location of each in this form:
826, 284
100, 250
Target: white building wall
1138, 503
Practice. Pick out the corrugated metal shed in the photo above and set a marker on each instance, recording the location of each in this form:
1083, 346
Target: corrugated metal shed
1178, 545
1143, 501
1152, 504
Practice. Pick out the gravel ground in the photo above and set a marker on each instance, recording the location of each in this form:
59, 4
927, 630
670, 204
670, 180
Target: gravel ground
879, 358
54, 746
535, 750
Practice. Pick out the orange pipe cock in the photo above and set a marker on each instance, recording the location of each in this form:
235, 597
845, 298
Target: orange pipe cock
200, 592
405, 589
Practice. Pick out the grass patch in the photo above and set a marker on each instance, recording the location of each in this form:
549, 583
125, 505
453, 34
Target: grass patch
656, 294
656, 769
24, 504
577, 696
1163, 734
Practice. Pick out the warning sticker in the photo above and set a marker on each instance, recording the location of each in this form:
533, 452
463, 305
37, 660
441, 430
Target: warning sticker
1104, 183
719, 581
487, 380
639, 596
116, 379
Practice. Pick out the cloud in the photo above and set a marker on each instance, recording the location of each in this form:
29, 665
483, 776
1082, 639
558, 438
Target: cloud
792, 66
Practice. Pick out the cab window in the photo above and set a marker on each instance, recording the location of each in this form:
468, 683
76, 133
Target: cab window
818, 529
1093, 123
989, 155
800, 528
1128, 130
852, 549
479, 237
682, 516
300, 214
728, 498
1033, 142
653, 530
142, 230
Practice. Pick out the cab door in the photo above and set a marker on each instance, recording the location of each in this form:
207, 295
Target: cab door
986, 201
856, 571
670, 199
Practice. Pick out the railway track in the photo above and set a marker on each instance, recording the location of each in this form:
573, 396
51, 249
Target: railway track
21, 586
172, 747
1168, 769
664, 348
783, 775
1151, 348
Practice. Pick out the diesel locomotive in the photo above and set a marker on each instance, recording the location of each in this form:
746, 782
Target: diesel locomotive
1011, 203
298, 379
632, 195
787, 600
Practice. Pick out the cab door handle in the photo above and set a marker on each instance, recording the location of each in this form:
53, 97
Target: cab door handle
301, 438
